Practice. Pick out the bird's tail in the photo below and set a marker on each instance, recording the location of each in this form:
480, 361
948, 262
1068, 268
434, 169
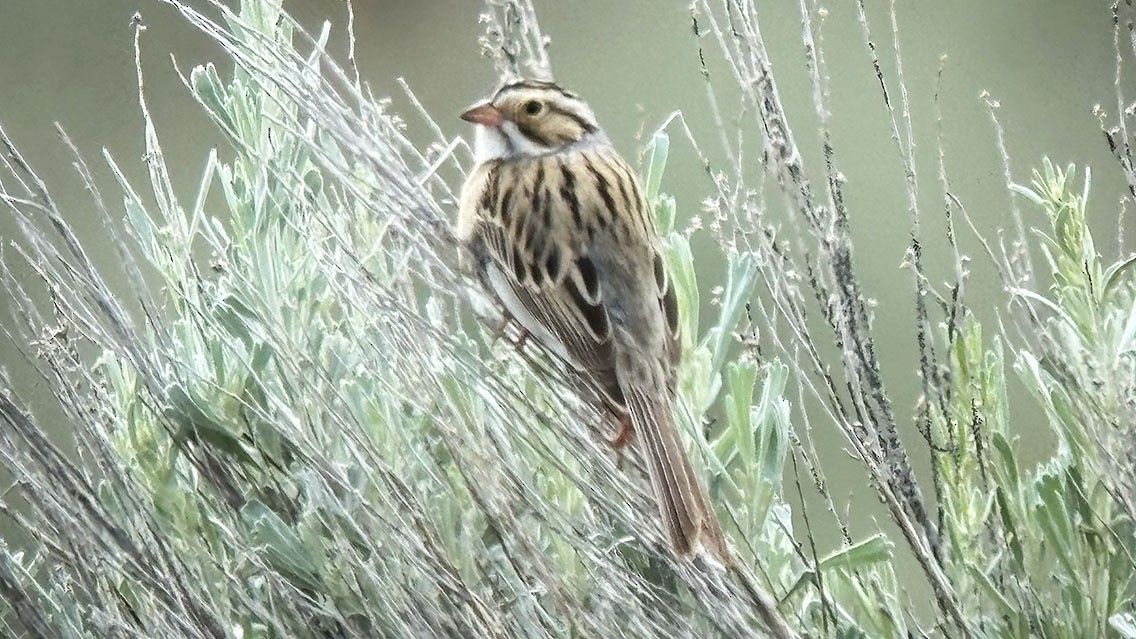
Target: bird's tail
689, 519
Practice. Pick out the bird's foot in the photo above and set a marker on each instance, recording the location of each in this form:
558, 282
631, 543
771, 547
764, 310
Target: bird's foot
498, 331
502, 331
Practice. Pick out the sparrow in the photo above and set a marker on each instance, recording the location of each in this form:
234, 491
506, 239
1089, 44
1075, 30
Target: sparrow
560, 231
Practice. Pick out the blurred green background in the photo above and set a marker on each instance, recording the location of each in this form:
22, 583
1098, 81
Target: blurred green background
1046, 62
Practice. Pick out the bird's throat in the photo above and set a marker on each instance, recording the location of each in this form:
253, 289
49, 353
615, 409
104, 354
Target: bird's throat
490, 143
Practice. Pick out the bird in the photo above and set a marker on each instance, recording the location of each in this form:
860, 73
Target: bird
559, 229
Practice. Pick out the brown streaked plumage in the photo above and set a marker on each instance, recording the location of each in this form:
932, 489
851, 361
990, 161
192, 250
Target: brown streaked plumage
564, 236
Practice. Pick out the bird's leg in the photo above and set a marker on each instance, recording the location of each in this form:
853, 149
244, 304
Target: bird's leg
623, 437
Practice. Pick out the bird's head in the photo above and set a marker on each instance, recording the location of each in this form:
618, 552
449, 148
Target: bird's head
529, 118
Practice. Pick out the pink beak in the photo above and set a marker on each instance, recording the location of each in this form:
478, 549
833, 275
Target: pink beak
484, 114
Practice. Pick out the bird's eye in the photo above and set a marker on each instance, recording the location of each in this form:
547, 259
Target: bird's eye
533, 107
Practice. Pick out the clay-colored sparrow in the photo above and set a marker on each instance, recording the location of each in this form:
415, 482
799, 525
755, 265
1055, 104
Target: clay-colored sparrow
564, 236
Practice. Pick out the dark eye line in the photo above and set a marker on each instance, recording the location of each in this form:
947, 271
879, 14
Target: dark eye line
581, 122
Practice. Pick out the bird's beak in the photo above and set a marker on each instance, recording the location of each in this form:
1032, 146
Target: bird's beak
484, 114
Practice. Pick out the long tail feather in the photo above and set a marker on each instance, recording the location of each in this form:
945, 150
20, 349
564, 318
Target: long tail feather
689, 520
